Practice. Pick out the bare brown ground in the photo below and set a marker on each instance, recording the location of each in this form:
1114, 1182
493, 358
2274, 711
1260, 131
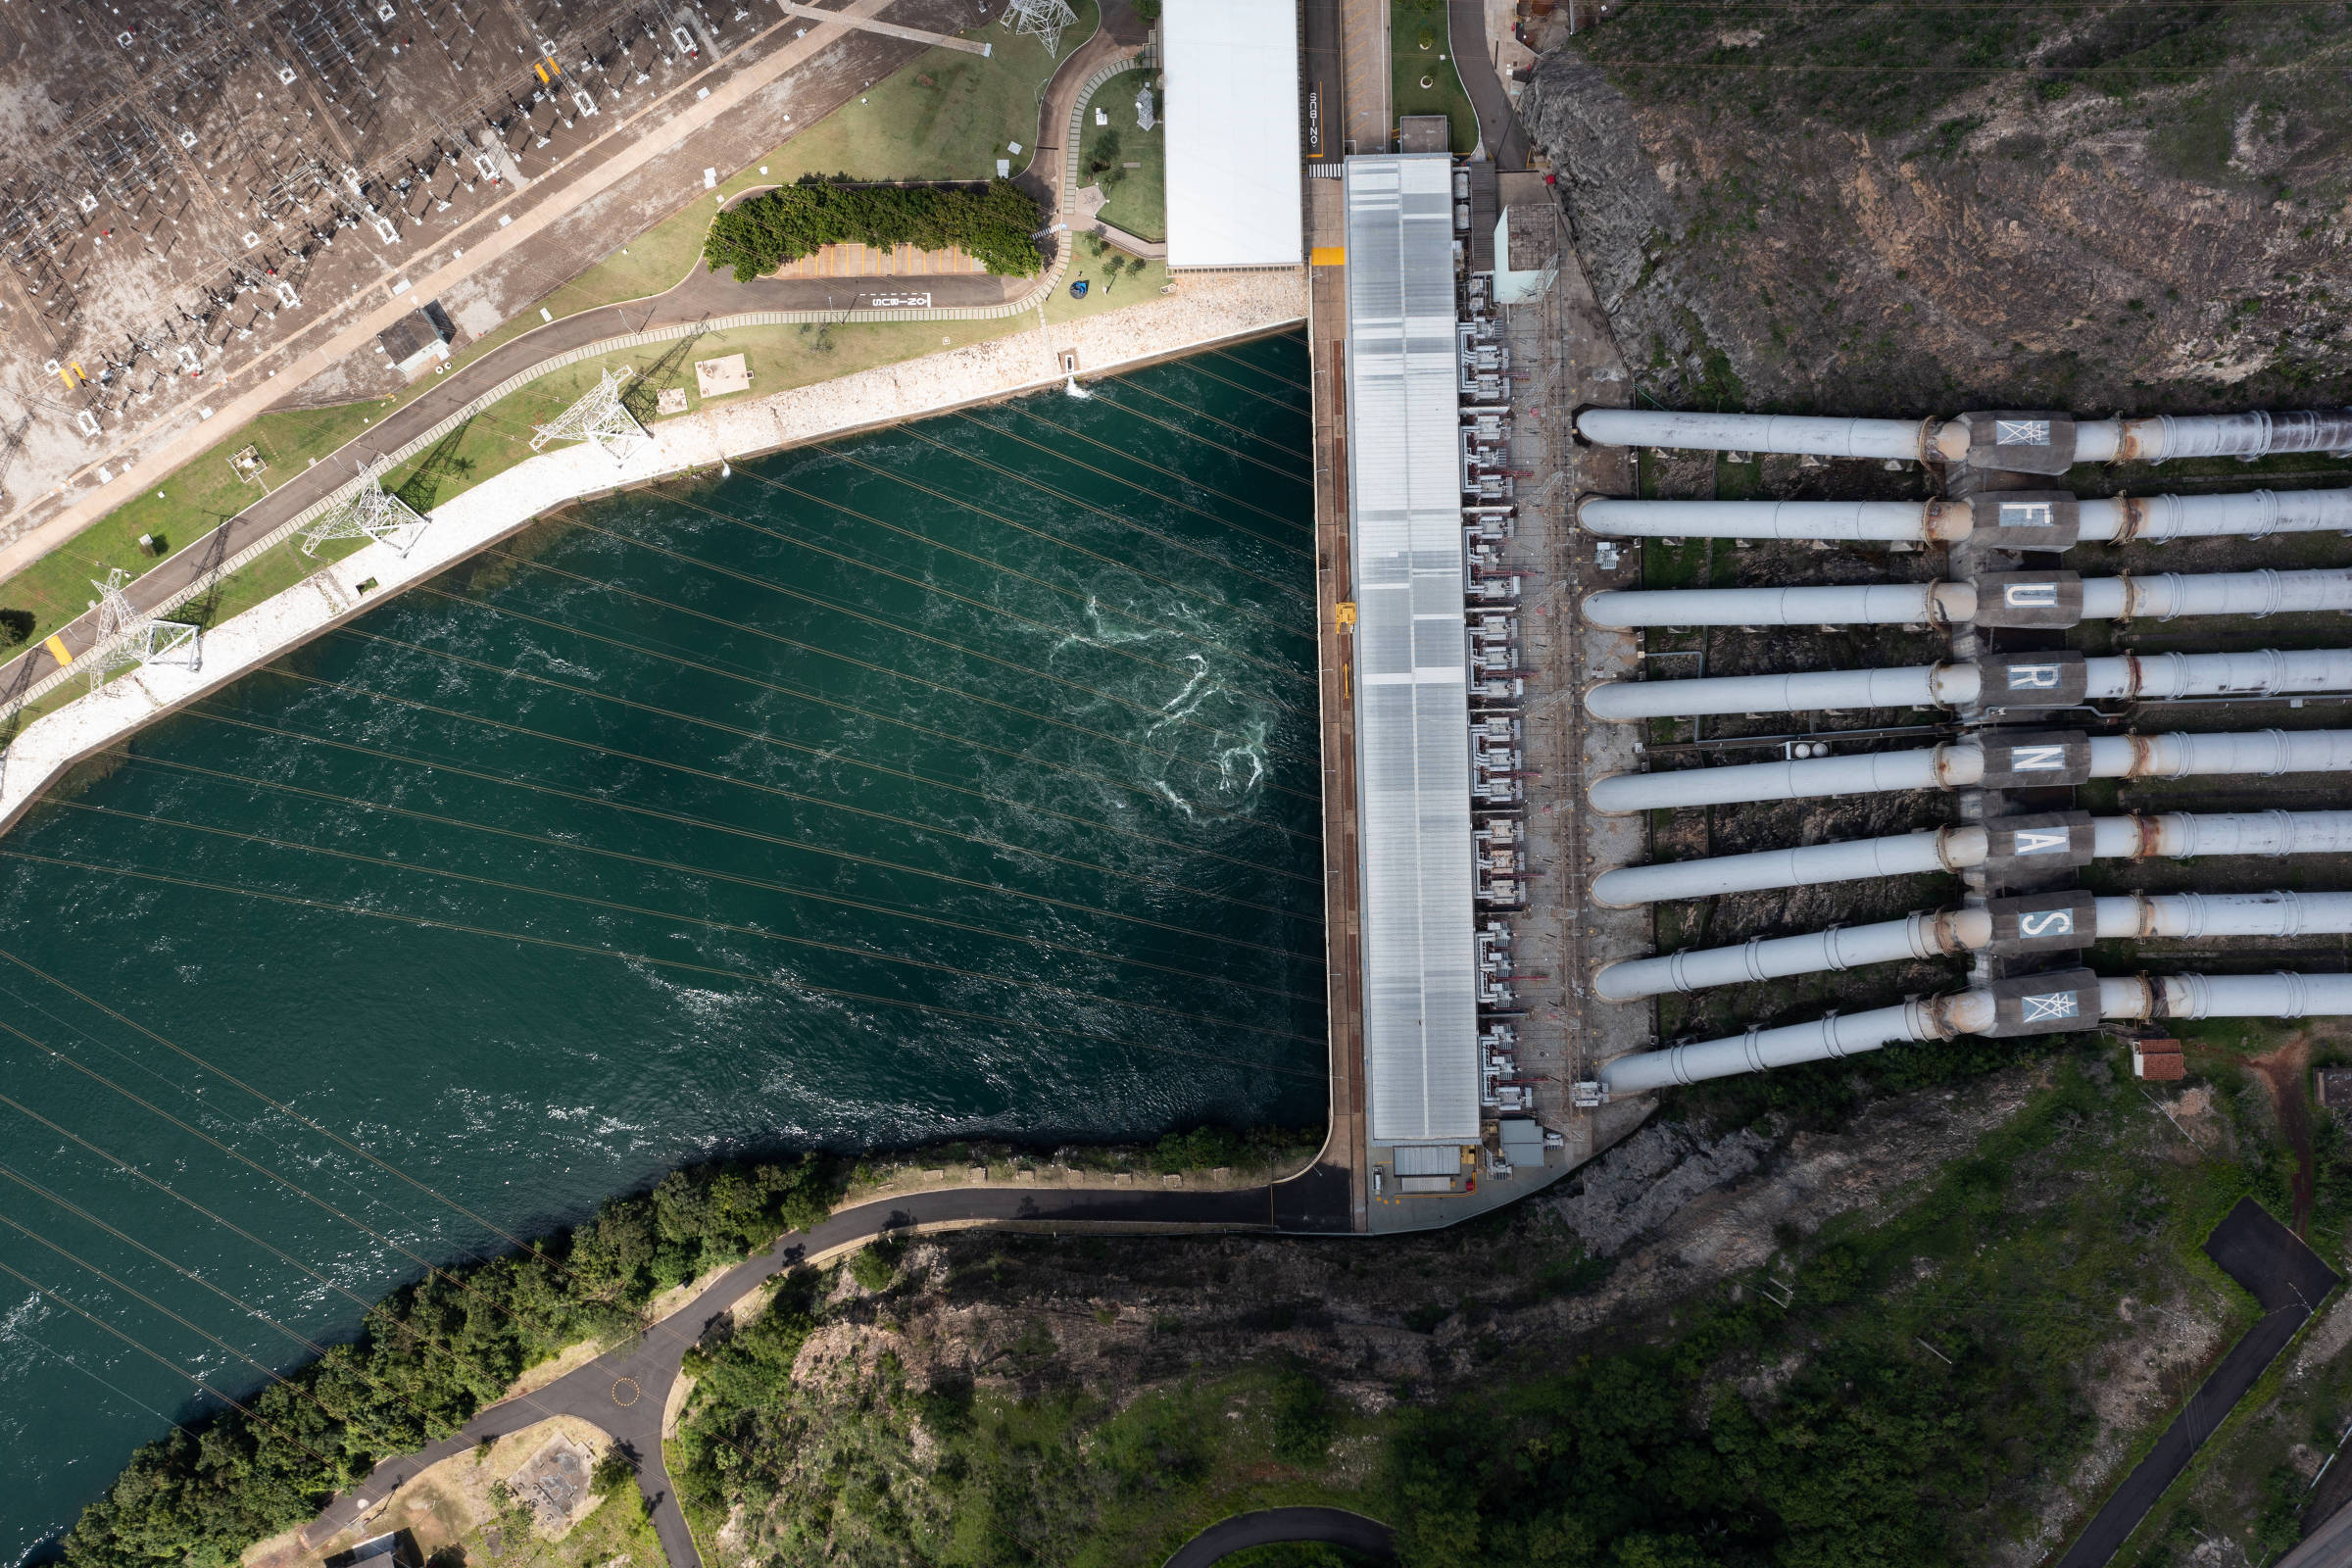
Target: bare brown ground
2285, 1070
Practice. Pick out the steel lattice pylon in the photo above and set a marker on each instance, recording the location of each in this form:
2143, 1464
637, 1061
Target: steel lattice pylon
1041, 19
128, 637
371, 513
601, 417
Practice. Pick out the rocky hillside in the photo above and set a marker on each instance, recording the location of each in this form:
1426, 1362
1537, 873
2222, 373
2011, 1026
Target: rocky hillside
1931, 1329
1903, 208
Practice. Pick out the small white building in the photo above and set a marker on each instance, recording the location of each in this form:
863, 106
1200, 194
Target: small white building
1232, 123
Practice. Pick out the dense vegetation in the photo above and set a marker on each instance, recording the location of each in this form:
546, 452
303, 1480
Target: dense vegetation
1910, 1387
991, 224
427, 1358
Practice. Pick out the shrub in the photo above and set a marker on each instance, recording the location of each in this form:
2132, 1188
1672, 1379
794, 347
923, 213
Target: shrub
874, 1266
427, 1358
991, 224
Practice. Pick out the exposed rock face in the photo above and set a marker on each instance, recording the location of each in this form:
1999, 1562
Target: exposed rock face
2123, 238
1649, 1178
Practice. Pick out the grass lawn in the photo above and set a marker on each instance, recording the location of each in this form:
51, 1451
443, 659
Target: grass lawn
194, 499
1417, 40
780, 358
1129, 163
945, 115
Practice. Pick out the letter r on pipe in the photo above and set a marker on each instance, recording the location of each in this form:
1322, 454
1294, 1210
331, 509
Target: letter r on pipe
2032, 678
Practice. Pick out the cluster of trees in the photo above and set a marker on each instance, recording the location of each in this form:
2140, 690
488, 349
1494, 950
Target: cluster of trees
427, 1358
993, 225
1858, 1462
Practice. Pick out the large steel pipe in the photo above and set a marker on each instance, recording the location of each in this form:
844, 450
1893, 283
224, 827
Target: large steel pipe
2164, 438
2123, 677
1957, 764
2174, 834
2162, 595
1902, 854
1901, 439
1849, 521
1878, 604
2187, 995
1849, 1034
2253, 514
2226, 996
2169, 437
1932, 935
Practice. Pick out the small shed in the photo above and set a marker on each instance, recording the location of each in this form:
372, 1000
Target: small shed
1424, 134
417, 339
2158, 1061
1520, 1140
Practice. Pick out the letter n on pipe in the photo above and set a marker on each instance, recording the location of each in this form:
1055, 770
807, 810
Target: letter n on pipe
2042, 922
2025, 759
2061, 1002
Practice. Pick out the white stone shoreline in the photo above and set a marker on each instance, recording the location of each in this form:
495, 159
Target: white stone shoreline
1203, 311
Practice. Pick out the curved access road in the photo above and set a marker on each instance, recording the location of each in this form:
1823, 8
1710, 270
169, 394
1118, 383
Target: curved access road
1271, 1527
1499, 123
625, 1389
702, 294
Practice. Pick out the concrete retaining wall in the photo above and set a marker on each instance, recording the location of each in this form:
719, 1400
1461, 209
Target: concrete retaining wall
1201, 313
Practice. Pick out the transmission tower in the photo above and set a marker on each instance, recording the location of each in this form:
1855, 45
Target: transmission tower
128, 637
371, 513
601, 417
1042, 19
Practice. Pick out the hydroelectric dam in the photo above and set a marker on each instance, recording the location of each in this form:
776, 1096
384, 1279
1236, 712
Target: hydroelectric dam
1337, 709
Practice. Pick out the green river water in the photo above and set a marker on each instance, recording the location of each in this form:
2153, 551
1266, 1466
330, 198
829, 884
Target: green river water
959, 779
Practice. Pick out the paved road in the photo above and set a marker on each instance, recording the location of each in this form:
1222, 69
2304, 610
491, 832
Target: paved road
625, 1391
701, 294
2328, 1547
1323, 72
1267, 1527
2290, 1281
1497, 123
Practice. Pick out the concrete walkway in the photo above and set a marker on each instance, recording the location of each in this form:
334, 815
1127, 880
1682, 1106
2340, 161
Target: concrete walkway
625, 1391
1204, 311
1497, 121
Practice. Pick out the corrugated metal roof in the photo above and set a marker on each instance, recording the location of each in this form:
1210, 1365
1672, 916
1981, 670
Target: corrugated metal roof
1412, 702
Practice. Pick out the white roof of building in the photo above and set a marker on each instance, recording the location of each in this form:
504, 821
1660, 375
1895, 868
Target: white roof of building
1232, 123
1412, 657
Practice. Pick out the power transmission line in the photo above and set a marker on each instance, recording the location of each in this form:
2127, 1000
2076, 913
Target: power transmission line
424, 922
701, 822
